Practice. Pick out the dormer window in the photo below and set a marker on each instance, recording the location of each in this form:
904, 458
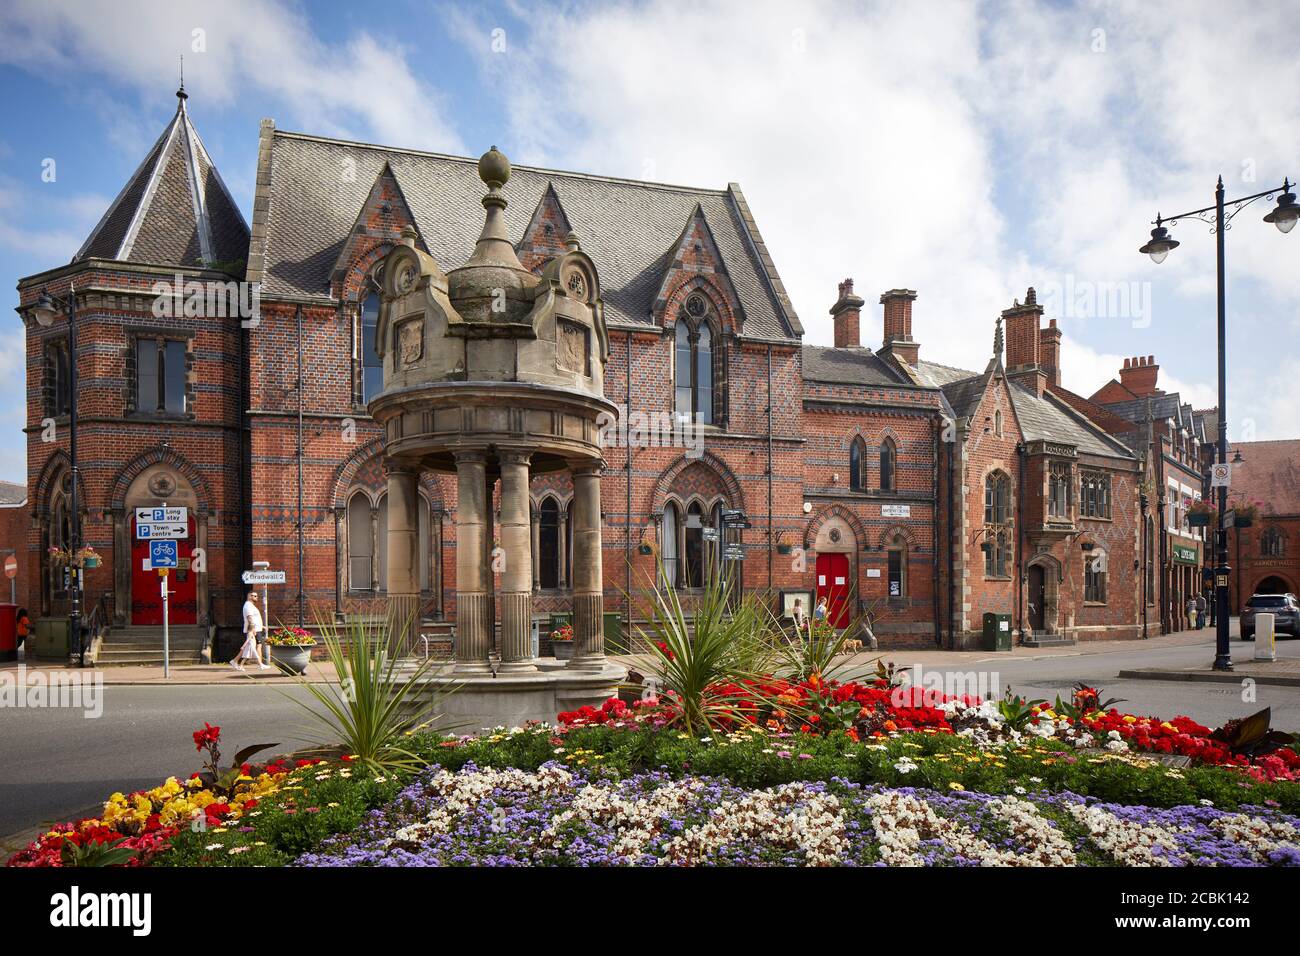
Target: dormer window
372, 366
697, 396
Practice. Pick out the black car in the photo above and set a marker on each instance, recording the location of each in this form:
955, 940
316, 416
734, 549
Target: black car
1283, 607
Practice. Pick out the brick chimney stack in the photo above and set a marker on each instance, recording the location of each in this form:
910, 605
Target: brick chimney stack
847, 311
1139, 375
898, 325
1024, 359
1049, 351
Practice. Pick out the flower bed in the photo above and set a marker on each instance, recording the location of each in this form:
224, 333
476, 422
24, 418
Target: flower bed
556, 816
134, 829
879, 708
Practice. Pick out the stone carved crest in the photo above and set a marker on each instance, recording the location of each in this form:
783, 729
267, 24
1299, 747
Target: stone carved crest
162, 485
576, 283
410, 342
571, 347
404, 281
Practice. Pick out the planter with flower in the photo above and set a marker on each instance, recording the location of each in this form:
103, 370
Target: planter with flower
1200, 514
783, 543
1245, 514
86, 557
562, 642
291, 648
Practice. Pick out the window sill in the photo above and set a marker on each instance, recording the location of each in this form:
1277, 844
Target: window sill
137, 416
1098, 604
994, 577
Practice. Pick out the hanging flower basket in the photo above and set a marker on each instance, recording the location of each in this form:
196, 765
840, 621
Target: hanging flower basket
1245, 515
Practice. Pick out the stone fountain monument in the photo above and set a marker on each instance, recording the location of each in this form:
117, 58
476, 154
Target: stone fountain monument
495, 373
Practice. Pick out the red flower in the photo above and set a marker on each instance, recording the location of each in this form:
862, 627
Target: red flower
208, 735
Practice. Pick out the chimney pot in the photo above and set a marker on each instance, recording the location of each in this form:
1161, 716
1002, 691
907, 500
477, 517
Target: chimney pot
847, 312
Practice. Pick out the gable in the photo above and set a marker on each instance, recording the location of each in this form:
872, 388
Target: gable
378, 227
544, 235
694, 260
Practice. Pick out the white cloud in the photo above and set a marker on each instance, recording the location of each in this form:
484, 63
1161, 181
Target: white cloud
362, 88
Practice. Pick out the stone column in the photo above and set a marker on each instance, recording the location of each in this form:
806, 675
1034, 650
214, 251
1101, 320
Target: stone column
517, 577
588, 586
472, 625
403, 557
562, 573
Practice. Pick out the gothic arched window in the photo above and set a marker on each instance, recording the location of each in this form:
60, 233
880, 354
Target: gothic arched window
997, 498
1271, 543
698, 392
858, 465
888, 462
372, 366
548, 544
361, 544
668, 547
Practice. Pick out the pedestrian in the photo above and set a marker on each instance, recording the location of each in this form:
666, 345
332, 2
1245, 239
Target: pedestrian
800, 618
22, 627
1191, 614
253, 629
1201, 607
819, 614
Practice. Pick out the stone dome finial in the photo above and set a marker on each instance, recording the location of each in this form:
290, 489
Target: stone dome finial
494, 168
572, 243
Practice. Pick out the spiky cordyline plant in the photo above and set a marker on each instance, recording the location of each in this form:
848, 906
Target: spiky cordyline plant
367, 710
719, 644
819, 653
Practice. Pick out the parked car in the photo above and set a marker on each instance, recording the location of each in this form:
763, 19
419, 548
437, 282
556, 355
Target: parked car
1284, 608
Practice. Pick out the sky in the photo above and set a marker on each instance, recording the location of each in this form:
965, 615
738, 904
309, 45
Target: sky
964, 150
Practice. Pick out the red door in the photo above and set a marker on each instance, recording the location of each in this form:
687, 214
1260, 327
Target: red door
833, 584
146, 594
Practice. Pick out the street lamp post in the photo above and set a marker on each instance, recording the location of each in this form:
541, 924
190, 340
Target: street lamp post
46, 310
1161, 243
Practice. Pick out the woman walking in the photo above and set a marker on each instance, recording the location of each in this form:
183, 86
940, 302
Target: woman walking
252, 628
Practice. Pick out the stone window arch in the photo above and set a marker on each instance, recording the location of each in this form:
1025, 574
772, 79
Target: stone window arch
361, 543
371, 363
698, 367
1094, 576
997, 498
858, 464
550, 554
888, 465
896, 567
690, 559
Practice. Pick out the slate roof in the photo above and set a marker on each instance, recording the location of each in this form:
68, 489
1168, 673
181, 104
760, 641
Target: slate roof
315, 186
1048, 418
1269, 473
175, 210
12, 494
1168, 405
848, 367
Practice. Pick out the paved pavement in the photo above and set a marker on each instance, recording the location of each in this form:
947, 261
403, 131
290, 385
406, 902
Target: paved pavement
56, 763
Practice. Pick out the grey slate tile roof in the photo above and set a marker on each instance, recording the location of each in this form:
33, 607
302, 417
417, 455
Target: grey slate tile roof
317, 185
175, 210
1041, 419
848, 367
12, 494
1050, 419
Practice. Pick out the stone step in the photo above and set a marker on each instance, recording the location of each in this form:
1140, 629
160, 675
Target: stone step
1049, 640
146, 660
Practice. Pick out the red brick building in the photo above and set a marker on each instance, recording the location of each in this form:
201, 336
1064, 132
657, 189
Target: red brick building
1265, 557
917, 493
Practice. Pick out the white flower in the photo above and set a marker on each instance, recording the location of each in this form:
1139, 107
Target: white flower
1117, 746
904, 765
1114, 735
1021, 790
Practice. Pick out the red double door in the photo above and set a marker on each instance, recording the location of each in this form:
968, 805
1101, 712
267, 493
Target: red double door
834, 585
146, 593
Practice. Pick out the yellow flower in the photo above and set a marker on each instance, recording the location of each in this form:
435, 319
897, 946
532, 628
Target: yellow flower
955, 786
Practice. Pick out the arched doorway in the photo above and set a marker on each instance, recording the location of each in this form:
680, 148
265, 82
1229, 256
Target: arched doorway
835, 574
1273, 584
1042, 599
138, 596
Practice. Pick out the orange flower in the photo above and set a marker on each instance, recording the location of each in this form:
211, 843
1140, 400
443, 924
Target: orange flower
891, 726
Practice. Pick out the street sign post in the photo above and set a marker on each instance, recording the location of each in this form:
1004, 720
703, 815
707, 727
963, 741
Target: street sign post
261, 574
161, 515
163, 579
168, 529
164, 553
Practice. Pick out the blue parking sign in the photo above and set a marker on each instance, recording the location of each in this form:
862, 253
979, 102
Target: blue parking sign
162, 554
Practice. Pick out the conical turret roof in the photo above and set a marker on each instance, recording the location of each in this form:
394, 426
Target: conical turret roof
175, 210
